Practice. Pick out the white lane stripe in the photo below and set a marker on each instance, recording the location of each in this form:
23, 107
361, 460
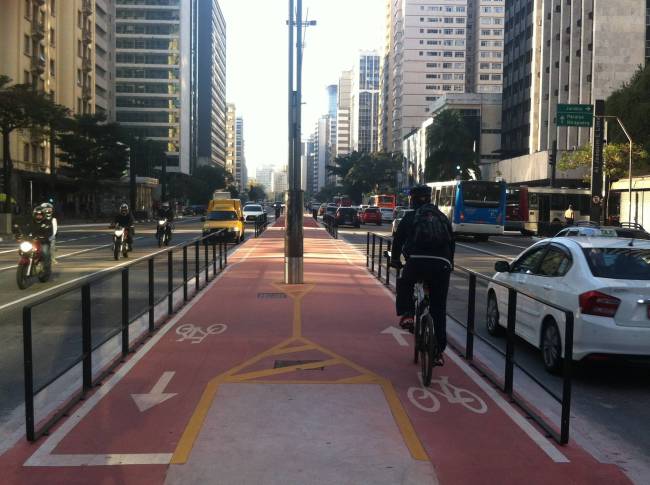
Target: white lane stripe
103, 459
508, 244
484, 251
545, 445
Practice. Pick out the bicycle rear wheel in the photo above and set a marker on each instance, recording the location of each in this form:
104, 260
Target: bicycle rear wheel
417, 335
428, 349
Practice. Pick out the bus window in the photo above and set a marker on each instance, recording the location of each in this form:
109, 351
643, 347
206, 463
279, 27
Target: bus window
533, 202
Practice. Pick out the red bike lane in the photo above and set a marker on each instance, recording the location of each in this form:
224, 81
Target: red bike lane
258, 382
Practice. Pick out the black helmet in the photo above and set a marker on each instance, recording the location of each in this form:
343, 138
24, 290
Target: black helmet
37, 214
124, 208
48, 210
420, 195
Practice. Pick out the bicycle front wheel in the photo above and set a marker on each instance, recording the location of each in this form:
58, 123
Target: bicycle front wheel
428, 349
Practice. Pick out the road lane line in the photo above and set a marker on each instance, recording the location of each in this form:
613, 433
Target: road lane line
484, 251
508, 244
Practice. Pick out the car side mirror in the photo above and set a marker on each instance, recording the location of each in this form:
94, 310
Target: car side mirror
502, 267
203, 219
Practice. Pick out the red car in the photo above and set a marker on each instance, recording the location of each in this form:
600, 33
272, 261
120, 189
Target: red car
371, 214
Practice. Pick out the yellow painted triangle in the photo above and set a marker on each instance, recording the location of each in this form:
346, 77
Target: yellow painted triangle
294, 291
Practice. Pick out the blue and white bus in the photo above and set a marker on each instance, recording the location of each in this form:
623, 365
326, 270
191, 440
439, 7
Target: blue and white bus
474, 207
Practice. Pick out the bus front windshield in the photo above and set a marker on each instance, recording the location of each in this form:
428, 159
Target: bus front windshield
481, 194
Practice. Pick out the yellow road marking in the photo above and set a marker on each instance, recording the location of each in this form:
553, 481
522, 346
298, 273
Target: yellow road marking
283, 370
362, 379
290, 350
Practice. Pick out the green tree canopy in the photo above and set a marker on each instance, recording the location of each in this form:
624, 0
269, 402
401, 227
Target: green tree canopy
631, 103
256, 192
615, 160
450, 144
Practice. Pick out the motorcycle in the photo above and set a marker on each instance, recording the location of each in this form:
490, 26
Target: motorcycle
163, 233
31, 264
119, 242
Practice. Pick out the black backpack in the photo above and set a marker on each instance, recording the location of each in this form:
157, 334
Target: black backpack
430, 229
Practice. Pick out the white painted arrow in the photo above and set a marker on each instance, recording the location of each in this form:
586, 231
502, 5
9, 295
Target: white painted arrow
156, 395
397, 333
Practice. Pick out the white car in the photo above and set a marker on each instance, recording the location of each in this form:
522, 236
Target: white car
604, 281
252, 211
386, 214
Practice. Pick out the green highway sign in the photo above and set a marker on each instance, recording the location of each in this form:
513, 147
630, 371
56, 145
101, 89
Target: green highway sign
581, 115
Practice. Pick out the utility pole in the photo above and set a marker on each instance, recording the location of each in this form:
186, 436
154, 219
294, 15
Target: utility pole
293, 243
597, 162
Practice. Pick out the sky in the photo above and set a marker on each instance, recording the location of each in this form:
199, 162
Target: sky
257, 64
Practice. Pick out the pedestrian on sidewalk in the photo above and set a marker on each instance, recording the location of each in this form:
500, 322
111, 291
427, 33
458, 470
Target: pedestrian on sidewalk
569, 215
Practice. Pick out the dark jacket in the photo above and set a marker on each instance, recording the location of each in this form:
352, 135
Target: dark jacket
124, 220
40, 230
166, 214
404, 233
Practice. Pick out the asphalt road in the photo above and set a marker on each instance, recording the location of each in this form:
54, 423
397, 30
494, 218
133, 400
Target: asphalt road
81, 251
611, 399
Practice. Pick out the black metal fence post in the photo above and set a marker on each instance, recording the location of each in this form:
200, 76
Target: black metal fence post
367, 249
196, 267
152, 320
125, 311
206, 261
225, 254
184, 273
220, 256
372, 263
510, 343
86, 338
170, 283
381, 253
214, 259
29, 373
567, 378
471, 312
389, 246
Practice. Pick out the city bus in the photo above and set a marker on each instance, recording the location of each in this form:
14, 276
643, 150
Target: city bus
382, 201
474, 207
530, 209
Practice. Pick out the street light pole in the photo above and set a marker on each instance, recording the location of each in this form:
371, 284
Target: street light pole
629, 190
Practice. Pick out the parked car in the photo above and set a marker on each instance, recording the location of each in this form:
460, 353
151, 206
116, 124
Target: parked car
386, 214
400, 215
330, 210
371, 215
604, 281
347, 216
604, 231
252, 211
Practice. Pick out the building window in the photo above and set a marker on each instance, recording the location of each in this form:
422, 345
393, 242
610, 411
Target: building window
28, 9
27, 44
79, 77
80, 21
25, 77
52, 68
80, 50
26, 152
53, 7
52, 38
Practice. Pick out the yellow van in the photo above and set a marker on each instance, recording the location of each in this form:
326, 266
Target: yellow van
225, 214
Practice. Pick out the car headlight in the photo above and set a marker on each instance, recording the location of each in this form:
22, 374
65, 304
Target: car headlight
25, 246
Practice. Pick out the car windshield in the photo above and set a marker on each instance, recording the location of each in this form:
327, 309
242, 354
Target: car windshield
619, 263
371, 210
481, 194
222, 216
331, 209
253, 208
347, 211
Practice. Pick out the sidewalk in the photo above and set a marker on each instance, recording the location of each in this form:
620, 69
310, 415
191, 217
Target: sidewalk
261, 383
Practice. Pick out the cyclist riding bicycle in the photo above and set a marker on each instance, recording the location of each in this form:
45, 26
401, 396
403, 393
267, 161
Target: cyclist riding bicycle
425, 237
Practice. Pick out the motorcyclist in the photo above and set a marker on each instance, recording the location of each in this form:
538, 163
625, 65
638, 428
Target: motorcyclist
124, 218
431, 264
48, 211
165, 212
39, 228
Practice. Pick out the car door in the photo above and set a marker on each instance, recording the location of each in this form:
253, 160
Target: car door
549, 283
521, 277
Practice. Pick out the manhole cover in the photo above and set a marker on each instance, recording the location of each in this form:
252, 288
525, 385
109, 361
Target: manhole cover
289, 363
271, 296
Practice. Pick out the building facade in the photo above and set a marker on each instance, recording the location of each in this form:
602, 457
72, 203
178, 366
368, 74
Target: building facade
485, 31
105, 58
231, 116
154, 73
568, 53
343, 143
321, 154
211, 84
364, 103
264, 177
241, 173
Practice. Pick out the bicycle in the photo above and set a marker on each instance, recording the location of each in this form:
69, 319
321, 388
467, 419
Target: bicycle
425, 345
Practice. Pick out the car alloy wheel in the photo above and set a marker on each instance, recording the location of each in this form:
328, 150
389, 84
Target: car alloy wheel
492, 319
551, 347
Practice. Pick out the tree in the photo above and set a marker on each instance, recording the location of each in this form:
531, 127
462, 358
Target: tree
450, 144
373, 172
22, 108
616, 162
343, 164
328, 191
256, 192
92, 152
631, 103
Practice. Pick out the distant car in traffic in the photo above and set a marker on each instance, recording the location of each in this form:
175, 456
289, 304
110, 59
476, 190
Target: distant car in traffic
252, 212
347, 216
371, 215
400, 215
397, 209
604, 281
330, 210
386, 214
321, 209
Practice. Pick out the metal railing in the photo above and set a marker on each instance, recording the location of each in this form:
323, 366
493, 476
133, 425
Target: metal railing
329, 222
261, 223
377, 244
208, 252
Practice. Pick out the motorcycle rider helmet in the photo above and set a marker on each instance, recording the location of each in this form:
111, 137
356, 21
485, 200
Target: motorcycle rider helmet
420, 195
124, 209
48, 210
38, 214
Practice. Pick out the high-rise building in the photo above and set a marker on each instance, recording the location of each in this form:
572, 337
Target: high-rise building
321, 154
211, 84
343, 145
264, 176
280, 182
50, 46
311, 163
154, 73
105, 58
231, 116
485, 25
556, 52
364, 102
241, 174
425, 57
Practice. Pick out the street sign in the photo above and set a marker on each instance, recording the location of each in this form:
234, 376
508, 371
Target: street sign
580, 115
